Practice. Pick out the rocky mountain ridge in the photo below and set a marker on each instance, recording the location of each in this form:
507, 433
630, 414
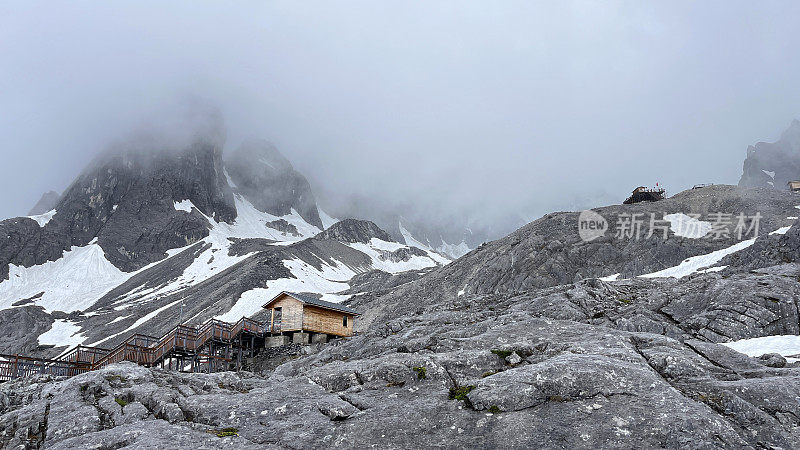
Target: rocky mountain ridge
353, 230
773, 164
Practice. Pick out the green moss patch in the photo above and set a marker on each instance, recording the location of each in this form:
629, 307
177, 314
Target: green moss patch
460, 392
227, 432
422, 373
503, 354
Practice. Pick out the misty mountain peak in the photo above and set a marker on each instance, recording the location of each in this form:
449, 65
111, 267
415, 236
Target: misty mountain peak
125, 202
262, 153
267, 179
791, 137
46, 203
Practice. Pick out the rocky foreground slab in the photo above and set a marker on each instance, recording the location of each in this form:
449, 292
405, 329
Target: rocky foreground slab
488, 371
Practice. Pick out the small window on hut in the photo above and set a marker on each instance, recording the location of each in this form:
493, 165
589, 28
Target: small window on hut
344, 321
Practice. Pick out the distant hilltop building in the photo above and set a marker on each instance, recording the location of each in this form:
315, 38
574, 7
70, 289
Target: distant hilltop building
794, 186
644, 194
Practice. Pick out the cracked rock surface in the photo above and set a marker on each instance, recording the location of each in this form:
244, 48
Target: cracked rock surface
515, 345
566, 367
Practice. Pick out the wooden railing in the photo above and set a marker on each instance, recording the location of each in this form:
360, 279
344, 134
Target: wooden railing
82, 354
17, 366
139, 348
146, 350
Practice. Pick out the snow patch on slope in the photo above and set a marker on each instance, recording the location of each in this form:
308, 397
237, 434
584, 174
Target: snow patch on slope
452, 250
327, 221
786, 345
781, 230
139, 321
380, 244
695, 263
184, 205
377, 250
770, 174
610, 277
250, 223
409, 238
72, 283
62, 333
413, 242
328, 280
230, 181
43, 219
687, 226
305, 229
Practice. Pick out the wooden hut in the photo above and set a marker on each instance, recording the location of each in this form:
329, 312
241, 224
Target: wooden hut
794, 186
307, 319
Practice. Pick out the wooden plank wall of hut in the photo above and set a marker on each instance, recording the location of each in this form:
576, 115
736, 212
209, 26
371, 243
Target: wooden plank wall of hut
326, 321
291, 313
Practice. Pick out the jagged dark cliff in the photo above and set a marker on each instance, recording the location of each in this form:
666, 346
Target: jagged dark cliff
773, 164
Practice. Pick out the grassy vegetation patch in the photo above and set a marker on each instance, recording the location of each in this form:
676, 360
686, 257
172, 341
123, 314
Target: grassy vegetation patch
503, 354
460, 392
494, 409
422, 373
227, 432
121, 401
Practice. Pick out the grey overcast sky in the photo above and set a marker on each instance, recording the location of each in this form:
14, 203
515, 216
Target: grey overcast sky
496, 107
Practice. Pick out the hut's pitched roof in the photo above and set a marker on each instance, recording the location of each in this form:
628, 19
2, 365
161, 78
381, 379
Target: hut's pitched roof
315, 302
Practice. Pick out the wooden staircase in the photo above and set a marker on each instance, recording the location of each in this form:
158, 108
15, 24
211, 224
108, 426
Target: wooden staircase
210, 347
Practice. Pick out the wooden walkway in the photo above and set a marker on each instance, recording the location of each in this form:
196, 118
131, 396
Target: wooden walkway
211, 347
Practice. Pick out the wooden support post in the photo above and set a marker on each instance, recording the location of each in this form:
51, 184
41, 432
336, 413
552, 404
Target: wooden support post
239, 355
210, 355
